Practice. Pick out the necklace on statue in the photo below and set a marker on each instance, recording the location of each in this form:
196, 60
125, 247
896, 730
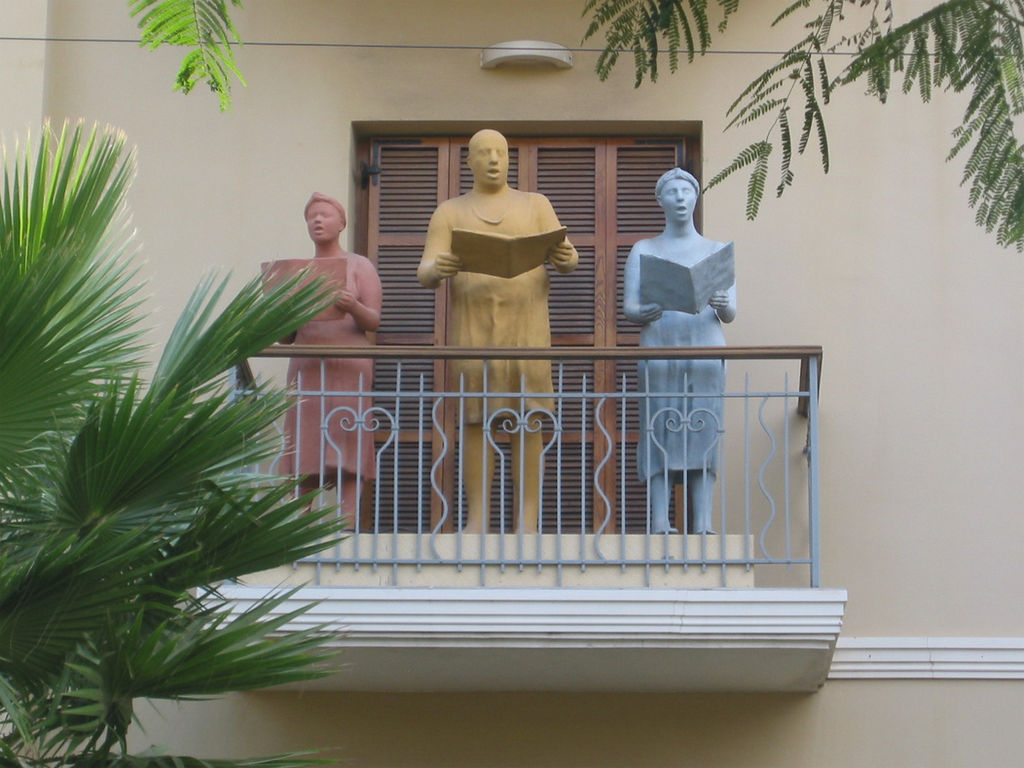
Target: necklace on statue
486, 220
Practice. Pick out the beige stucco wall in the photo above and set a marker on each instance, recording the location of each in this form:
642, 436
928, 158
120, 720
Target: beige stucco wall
845, 725
920, 314
22, 60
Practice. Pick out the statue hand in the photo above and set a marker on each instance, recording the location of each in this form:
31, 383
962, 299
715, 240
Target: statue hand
561, 255
648, 313
719, 299
345, 300
447, 264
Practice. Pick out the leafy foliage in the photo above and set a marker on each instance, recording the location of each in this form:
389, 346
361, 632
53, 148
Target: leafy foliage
639, 26
202, 25
972, 46
124, 502
961, 45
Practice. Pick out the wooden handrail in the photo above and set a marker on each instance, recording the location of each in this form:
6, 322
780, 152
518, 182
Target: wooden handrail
802, 353
549, 353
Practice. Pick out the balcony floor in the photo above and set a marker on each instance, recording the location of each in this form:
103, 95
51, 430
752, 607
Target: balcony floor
573, 638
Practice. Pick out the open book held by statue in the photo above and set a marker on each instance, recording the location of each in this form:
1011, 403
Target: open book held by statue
492, 253
682, 287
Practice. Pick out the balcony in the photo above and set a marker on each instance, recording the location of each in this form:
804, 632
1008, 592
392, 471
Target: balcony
589, 597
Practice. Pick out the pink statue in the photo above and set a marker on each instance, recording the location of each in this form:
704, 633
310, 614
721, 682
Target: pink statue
354, 313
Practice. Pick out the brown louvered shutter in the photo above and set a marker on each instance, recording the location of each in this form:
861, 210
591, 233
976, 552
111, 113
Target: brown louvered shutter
411, 179
634, 170
603, 191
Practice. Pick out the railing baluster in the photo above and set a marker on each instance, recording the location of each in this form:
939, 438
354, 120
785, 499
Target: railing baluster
560, 412
604, 488
420, 511
748, 526
785, 468
812, 474
583, 474
623, 471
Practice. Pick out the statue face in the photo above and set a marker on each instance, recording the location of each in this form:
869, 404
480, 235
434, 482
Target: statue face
677, 199
488, 159
323, 222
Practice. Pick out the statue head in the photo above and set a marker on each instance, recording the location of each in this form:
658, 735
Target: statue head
676, 173
325, 218
677, 192
488, 160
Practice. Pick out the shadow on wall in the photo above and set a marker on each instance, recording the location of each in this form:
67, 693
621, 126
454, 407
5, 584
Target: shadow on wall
502, 729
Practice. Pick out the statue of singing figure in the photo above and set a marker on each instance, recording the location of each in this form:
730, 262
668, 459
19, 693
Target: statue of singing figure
319, 455
681, 432
490, 311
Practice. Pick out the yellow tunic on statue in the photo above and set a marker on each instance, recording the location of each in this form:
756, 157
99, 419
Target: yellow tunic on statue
495, 311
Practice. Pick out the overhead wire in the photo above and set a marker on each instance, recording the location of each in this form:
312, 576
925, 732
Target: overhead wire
391, 46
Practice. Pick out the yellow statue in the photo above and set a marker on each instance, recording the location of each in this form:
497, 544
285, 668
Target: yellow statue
489, 311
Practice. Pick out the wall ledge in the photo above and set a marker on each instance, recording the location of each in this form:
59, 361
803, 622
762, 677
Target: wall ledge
928, 658
570, 639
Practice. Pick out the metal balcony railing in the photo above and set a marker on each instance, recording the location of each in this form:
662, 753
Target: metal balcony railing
594, 510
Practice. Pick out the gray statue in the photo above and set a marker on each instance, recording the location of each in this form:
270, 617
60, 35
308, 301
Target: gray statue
679, 440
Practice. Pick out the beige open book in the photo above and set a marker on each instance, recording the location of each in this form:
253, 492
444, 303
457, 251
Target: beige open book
503, 255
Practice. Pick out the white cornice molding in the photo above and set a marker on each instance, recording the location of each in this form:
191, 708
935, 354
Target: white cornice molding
929, 658
565, 617
629, 620
569, 639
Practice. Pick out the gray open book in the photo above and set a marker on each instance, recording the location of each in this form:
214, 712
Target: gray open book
685, 288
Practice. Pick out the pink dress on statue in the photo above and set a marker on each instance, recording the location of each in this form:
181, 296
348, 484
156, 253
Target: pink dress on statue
344, 444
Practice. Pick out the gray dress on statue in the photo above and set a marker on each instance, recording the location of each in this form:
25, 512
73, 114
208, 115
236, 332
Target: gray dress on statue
680, 432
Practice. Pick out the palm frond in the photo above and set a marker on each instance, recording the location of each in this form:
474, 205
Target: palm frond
122, 502
205, 343
53, 588
67, 309
13, 717
160, 760
217, 547
214, 651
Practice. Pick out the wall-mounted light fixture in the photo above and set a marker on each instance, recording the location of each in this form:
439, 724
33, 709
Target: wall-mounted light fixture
525, 53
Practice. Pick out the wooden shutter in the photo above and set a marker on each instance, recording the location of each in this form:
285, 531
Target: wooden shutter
411, 179
635, 171
603, 190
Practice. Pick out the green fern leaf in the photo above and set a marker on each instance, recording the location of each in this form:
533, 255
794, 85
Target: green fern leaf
756, 183
790, 9
746, 156
759, 111
205, 27
786, 144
